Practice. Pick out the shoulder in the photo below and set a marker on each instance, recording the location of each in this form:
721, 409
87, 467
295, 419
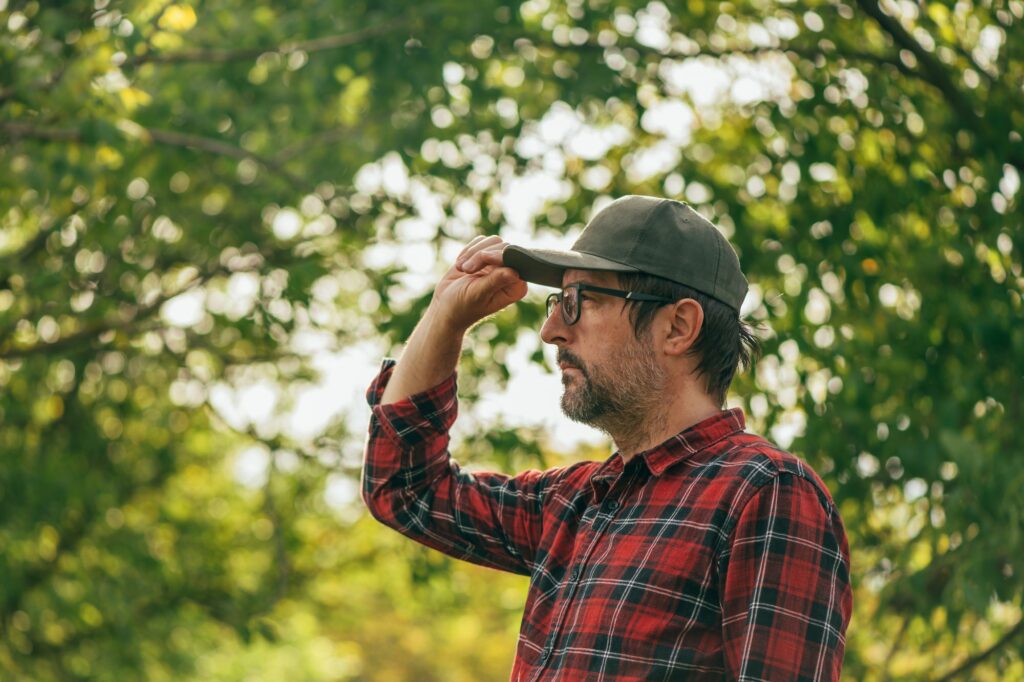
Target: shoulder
782, 497
758, 462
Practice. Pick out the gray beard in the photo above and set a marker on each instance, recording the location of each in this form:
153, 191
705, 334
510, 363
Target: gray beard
624, 402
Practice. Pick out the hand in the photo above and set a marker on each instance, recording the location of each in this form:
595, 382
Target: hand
477, 285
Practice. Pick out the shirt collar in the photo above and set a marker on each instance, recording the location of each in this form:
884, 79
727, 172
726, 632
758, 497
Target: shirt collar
677, 448
694, 439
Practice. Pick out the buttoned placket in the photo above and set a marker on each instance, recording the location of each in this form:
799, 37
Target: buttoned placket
607, 506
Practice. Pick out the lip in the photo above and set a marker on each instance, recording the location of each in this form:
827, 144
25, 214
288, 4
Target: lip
566, 368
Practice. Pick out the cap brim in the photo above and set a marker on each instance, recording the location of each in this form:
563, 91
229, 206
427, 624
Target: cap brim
545, 266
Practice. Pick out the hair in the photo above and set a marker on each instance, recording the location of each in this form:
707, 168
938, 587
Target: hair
725, 342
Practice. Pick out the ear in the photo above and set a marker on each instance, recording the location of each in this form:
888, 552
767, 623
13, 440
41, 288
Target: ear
683, 322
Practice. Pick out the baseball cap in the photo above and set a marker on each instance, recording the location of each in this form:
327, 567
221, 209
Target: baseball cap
661, 237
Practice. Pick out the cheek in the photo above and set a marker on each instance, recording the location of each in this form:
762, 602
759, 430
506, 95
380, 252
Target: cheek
599, 356
608, 337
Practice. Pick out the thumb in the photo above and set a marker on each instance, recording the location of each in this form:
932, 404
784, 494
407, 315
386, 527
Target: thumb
512, 284
506, 275
503, 286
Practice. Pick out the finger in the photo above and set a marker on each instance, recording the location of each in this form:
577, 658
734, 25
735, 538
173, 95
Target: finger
472, 242
510, 289
478, 244
500, 287
468, 247
511, 278
481, 259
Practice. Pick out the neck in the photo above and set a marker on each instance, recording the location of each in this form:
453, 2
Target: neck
665, 417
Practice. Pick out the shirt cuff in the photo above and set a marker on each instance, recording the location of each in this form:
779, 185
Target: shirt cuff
417, 417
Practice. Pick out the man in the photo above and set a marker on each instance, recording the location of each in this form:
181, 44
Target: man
696, 551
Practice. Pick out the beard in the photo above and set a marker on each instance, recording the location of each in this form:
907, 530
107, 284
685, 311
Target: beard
620, 397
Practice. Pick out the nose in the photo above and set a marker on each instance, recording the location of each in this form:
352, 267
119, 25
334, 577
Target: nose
554, 329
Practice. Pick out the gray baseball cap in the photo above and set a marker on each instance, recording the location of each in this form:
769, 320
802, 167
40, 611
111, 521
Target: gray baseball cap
660, 237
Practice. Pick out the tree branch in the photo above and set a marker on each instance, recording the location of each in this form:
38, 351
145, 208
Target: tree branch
282, 562
934, 71
848, 54
44, 84
213, 146
315, 140
33, 245
979, 658
130, 129
140, 314
213, 56
937, 74
50, 81
893, 648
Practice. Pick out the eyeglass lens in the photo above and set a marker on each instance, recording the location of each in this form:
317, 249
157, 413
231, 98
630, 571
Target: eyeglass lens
570, 304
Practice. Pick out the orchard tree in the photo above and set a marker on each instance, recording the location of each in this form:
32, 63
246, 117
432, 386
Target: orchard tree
195, 196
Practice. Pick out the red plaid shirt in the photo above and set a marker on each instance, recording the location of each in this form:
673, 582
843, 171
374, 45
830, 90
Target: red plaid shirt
712, 556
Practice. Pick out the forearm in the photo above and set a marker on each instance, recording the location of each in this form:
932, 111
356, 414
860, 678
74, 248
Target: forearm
477, 286
410, 483
430, 356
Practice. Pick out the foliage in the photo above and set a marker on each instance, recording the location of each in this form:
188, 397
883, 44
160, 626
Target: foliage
192, 192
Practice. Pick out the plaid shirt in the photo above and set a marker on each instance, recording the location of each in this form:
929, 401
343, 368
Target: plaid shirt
712, 556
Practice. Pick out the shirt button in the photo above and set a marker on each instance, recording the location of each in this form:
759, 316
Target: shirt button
574, 574
611, 505
545, 654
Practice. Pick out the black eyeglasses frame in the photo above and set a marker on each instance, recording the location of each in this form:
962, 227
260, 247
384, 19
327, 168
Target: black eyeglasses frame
557, 298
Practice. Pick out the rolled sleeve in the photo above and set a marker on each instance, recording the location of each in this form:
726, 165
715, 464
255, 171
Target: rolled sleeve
411, 484
418, 417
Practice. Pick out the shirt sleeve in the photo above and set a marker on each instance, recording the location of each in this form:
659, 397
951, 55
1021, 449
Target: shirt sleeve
410, 483
785, 575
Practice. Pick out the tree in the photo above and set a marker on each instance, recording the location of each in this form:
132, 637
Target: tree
190, 191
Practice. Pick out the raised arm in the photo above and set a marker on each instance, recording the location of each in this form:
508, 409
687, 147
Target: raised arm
409, 481
461, 299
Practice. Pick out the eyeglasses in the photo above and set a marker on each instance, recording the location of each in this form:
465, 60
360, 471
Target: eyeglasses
569, 299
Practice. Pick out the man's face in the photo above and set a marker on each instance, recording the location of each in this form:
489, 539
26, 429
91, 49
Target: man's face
608, 374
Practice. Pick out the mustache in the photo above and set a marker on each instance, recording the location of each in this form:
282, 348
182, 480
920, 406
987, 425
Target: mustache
568, 358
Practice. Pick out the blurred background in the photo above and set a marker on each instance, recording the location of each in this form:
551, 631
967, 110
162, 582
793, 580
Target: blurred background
216, 217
